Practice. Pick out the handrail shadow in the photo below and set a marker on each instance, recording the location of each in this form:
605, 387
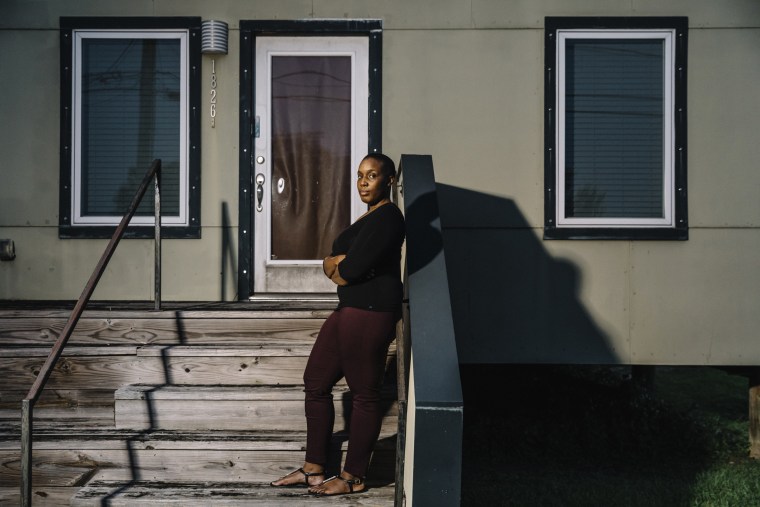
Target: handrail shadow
513, 301
134, 464
27, 404
227, 253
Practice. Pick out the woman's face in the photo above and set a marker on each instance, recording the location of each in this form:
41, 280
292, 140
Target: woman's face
373, 185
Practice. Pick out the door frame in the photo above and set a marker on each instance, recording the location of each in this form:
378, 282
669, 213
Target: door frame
249, 30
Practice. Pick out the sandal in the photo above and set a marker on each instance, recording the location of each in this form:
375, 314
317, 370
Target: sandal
351, 483
305, 482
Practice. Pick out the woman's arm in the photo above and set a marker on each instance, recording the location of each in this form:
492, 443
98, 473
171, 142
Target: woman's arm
381, 236
337, 279
330, 267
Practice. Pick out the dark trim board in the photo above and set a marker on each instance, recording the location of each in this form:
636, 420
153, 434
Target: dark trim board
132, 232
249, 30
193, 25
681, 229
122, 22
312, 26
245, 190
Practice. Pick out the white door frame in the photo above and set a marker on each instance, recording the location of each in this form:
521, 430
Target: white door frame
250, 31
302, 276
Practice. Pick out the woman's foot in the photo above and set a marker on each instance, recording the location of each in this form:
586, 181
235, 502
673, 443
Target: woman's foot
342, 484
308, 475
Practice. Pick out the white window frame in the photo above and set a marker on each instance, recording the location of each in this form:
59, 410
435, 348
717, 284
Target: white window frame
668, 156
76, 155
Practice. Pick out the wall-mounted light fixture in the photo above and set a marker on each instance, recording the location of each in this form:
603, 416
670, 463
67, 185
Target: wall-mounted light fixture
213, 42
7, 250
214, 37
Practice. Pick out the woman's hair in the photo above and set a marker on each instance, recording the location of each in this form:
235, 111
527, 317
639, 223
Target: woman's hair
387, 167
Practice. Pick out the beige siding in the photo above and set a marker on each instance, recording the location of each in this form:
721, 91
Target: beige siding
463, 81
697, 302
49, 268
724, 125
472, 99
30, 118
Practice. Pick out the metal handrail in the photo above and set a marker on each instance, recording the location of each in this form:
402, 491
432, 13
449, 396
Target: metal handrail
27, 404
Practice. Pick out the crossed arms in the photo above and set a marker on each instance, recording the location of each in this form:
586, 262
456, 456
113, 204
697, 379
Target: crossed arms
330, 267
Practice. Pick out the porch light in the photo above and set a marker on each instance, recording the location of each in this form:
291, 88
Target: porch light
7, 250
214, 37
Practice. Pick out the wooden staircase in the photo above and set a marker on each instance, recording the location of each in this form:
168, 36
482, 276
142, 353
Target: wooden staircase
198, 405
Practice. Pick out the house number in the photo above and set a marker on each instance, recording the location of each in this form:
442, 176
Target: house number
213, 94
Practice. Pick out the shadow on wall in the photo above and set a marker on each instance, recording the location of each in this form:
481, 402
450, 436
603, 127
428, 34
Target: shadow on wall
512, 302
229, 261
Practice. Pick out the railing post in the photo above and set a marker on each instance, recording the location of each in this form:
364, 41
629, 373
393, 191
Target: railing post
435, 406
26, 452
157, 239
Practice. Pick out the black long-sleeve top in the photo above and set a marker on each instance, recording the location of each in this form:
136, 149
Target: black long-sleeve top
372, 246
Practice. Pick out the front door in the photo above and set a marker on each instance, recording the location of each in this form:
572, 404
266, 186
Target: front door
311, 96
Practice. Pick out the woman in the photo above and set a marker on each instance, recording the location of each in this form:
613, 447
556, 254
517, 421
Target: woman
354, 340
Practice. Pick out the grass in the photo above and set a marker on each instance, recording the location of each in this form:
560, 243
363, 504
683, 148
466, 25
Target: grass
587, 436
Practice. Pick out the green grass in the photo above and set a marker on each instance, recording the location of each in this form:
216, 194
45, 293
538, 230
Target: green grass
586, 436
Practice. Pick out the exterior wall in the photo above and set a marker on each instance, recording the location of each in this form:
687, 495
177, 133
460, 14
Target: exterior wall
463, 81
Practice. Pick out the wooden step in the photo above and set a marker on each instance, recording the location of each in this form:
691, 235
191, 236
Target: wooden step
262, 361
204, 494
82, 387
167, 328
115, 371
93, 405
275, 361
207, 372
69, 459
42, 496
223, 407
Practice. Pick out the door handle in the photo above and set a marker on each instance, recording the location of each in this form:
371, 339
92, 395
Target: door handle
259, 191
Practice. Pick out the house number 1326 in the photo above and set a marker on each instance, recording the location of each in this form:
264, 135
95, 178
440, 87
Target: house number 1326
213, 93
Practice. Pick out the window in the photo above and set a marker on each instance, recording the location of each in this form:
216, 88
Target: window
128, 92
615, 137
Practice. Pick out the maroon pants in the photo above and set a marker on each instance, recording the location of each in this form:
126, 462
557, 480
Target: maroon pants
352, 343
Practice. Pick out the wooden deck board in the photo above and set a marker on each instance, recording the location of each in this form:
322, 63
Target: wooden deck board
23, 351
291, 309
224, 415
287, 392
116, 371
240, 494
158, 440
285, 348
100, 415
11, 398
133, 330
75, 467
60, 404
41, 496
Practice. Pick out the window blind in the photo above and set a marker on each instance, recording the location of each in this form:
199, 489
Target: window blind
130, 107
614, 96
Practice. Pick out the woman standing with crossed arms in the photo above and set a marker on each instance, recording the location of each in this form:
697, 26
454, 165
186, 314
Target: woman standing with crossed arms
354, 340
